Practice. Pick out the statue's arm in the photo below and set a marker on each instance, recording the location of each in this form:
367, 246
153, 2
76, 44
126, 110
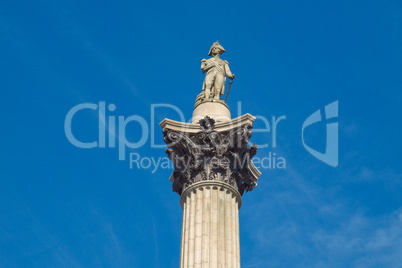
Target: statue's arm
227, 70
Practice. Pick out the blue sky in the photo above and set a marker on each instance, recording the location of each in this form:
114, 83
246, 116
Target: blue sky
63, 206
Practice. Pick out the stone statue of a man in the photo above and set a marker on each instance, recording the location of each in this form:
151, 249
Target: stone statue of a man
217, 69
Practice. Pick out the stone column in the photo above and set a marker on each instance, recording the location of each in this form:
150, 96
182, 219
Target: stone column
212, 169
210, 230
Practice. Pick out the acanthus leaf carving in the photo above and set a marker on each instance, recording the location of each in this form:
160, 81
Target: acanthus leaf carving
211, 155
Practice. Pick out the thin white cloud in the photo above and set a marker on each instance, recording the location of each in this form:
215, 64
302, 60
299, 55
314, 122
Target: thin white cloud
302, 224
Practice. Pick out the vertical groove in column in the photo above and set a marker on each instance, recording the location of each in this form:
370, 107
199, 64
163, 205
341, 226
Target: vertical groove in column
193, 201
206, 226
233, 220
237, 234
214, 229
228, 227
198, 228
218, 227
234, 205
221, 221
183, 233
186, 210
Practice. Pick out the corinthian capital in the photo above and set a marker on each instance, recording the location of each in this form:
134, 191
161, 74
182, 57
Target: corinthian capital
217, 152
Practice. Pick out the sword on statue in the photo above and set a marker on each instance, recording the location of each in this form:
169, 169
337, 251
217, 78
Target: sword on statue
227, 94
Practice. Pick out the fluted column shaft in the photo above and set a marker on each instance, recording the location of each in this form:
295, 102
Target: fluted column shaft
210, 228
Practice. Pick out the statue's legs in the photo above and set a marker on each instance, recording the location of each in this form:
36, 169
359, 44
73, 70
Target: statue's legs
218, 84
209, 83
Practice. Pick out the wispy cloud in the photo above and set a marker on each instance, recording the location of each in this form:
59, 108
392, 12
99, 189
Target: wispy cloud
299, 224
363, 241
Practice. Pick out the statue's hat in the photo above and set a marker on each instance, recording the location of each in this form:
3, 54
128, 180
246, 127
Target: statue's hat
216, 44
